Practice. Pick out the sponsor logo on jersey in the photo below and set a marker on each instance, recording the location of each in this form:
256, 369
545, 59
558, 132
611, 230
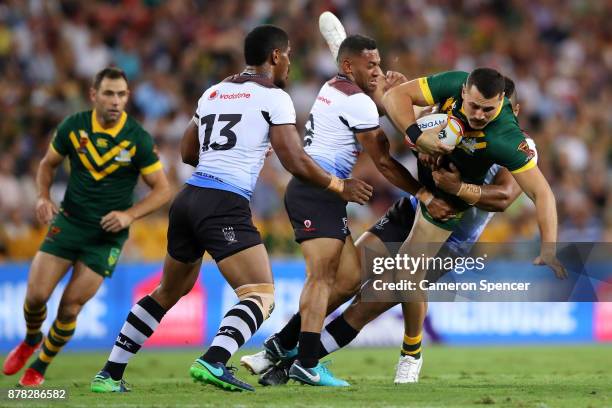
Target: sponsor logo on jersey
213, 95
229, 234
102, 143
237, 95
123, 157
83, 140
324, 100
524, 147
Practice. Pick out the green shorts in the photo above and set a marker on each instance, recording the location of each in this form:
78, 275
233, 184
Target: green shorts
447, 225
97, 249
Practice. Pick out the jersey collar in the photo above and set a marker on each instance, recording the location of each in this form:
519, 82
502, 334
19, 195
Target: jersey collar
96, 127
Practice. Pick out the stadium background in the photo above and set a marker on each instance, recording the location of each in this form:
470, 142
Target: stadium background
559, 53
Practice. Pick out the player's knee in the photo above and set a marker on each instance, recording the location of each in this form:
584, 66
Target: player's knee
167, 297
68, 311
323, 270
346, 290
262, 294
36, 300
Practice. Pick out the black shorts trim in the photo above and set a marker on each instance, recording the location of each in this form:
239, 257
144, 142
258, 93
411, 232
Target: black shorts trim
315, 212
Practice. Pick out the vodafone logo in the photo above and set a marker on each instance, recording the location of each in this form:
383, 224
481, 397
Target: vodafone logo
238, 95
307, 223
324, 100
213, 95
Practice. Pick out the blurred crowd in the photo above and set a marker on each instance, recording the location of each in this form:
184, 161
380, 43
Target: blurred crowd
558, 52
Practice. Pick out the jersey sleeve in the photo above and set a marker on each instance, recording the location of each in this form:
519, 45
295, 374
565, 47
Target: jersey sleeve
146, 159
439, 87
514, 152
60, 141
281, 110
360, 113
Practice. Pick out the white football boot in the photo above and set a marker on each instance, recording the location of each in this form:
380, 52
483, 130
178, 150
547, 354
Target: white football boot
408, 369
332, 30
257, 363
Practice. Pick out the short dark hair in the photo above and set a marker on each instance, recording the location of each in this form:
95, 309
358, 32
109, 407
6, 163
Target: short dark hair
488, 81
510, 90
110, 73
355, 44
261, 41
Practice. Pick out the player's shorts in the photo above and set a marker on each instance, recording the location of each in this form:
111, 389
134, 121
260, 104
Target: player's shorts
315, 212
397, 222
209, 220
97, 249
446, 225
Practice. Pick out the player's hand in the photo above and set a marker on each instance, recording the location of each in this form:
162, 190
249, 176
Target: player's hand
393, 79
428, 160
429, 143
548, 258
441, 210
448, 181
356, 191
115, 221
45, 210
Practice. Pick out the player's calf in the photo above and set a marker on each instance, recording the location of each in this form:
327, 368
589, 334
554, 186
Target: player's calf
238, 325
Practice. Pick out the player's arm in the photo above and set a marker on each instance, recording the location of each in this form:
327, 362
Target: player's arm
495, 197
45, 208
536, 187
288, 147
376, 144
159, 195
399, 104
385, 82
190, 145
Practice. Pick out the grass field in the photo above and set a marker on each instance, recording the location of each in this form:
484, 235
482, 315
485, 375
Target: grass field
576, 376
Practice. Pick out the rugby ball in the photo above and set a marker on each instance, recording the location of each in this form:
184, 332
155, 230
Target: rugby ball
451, 135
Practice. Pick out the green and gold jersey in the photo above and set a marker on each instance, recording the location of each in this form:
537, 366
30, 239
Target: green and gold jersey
104, 164
500, 142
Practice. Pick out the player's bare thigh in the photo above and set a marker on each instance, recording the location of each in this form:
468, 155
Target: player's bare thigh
349, 275
46, 271
177, 280
248, 266
322, 256
425, 240
82, 286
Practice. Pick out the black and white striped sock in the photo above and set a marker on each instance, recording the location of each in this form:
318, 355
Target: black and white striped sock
337, 334
141, 322
237, 327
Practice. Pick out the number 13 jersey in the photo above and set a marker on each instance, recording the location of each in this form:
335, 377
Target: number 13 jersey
234, 118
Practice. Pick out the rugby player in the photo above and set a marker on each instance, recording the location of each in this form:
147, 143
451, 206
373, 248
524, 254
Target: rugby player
234, 124
343, 121
108, 151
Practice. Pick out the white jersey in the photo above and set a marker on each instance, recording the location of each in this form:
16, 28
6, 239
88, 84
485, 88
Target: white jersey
340, 110
234, 119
